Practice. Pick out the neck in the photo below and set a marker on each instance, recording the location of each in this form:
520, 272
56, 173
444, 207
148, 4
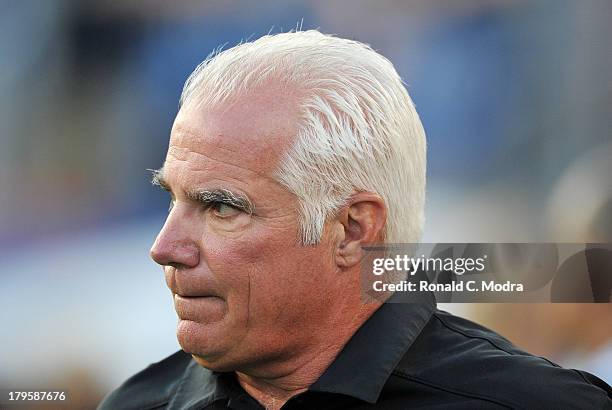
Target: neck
274, 389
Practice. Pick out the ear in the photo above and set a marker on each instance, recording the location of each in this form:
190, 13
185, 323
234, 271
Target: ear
359, 223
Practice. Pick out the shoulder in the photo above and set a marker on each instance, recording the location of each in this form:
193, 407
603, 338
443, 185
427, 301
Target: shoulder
151, 388
465, 359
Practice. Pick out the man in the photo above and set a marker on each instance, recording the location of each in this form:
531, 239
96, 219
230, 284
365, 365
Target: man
288, 155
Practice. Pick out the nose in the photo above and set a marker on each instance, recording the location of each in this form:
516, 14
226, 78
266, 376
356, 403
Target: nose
174, 245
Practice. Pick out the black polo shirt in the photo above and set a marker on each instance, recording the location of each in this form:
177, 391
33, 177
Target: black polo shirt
406, 356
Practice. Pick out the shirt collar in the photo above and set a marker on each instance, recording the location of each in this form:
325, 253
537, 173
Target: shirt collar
375, 349
199, 387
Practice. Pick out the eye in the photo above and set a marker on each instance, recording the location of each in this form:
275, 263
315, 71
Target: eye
223, 210
171, 204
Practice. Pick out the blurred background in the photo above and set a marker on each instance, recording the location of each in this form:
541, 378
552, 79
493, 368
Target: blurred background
515, 97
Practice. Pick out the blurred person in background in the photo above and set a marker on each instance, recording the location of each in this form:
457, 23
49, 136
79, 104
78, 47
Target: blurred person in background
288, 155
574, 335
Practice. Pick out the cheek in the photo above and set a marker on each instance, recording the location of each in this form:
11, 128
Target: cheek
236, 260
268, 279
254, 249
253, 265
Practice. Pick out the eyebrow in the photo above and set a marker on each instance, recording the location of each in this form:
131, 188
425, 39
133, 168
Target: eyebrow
157, 178
206, 196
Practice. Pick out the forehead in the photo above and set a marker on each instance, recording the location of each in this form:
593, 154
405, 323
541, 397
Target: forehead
250, 133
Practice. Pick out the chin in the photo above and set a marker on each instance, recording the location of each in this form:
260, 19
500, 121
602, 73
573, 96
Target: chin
217, 365
207, 343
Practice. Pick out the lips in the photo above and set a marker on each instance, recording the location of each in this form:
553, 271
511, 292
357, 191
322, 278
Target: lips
190, 284
199, 309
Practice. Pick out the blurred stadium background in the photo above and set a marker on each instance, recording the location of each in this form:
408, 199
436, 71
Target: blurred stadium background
515, 97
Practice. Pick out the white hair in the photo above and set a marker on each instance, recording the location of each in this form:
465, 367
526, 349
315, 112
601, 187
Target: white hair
359, 130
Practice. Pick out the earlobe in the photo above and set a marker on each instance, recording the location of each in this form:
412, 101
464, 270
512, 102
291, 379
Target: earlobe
349, 255
362, 222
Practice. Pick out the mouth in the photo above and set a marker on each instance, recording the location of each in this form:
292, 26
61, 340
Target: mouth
201, 309
189, 284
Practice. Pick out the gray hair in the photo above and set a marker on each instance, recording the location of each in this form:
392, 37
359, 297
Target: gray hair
359, 129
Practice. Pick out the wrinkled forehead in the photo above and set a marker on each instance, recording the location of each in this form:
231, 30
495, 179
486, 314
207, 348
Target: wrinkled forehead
254, 129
